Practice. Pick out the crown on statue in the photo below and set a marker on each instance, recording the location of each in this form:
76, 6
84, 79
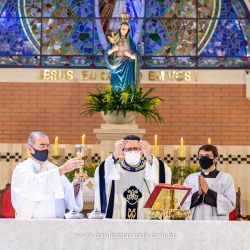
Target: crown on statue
125, 16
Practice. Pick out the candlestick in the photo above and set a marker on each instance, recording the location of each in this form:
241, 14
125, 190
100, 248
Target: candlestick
83, 140
56, 158
209, 141
181, 147
56, 146
155, 146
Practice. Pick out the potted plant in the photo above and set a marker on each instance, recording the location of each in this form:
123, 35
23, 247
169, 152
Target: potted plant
186, 172
122, 106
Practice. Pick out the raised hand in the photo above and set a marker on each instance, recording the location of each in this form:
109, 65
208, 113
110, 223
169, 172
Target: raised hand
70, 165
145, 146
119, 145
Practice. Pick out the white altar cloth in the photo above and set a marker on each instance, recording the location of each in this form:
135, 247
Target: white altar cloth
62, 234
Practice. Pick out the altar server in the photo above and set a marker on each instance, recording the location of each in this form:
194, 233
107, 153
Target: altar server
213, 194
122, 189
39, 189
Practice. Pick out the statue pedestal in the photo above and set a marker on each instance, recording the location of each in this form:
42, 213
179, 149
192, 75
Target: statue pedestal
109, 134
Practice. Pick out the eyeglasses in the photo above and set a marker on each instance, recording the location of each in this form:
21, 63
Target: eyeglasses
209, 156
135, 149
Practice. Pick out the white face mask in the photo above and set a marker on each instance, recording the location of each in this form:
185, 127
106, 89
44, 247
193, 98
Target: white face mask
132, 158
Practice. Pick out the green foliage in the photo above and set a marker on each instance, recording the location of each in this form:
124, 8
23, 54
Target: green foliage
90, 170
176, 172
131, 98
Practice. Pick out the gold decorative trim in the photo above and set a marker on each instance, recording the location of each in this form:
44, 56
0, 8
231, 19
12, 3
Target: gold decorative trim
169, 214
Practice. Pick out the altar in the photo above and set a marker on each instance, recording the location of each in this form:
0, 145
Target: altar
123, 234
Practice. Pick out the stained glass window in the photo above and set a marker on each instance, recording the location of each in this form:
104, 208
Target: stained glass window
168, 33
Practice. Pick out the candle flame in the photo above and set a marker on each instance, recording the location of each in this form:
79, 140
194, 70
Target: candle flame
181, 139
83, 136
155, 136
208, 139
56, 138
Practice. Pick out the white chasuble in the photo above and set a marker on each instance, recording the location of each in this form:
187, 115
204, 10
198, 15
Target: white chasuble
219, 201
122, 191
40, 192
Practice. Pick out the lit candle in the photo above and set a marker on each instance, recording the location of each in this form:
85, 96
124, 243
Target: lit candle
181, 147
209, 141
155, 146
56, 146
83, 140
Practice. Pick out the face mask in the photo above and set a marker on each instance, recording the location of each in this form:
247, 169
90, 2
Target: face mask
206, 162
132, 158
41, 155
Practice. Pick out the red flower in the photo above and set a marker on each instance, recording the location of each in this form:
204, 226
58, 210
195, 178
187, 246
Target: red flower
66, 57
66, 64
171, 65
244, 58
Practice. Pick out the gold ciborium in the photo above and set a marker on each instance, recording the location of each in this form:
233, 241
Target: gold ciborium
80, 152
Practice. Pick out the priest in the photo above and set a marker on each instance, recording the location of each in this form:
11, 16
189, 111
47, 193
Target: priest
39, 189
122, 189
213, 194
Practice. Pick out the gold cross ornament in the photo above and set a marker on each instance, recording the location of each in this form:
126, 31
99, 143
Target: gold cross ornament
89, 185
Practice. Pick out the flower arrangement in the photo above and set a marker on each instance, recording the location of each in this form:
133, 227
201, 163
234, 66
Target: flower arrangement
186, 172
131, 98
90, 170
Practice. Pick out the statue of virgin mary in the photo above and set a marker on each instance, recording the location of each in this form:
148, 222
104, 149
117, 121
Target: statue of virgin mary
122, 57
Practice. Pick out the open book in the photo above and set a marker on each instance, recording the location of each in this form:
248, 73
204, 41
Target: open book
167, 196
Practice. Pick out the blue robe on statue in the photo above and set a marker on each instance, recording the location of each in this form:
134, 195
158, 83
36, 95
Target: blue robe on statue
124, 70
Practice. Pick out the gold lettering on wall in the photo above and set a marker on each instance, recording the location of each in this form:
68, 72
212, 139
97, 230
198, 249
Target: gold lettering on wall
160, 76
90, 75
152, 75
84, 75
187, 76
179, 76
70, 74
171, 75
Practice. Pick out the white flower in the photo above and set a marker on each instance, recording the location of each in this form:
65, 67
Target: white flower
155, 62
230, 62
161, 61
102, 61
206, 62
24, 60
31, 60
76, 61
50, 60
236, 62
212, 62
57, 60
82, 61
180, 62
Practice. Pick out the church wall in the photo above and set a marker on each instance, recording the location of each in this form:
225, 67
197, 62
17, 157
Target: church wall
195, 112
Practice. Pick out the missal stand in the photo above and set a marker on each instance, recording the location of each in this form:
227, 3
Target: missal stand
165, 202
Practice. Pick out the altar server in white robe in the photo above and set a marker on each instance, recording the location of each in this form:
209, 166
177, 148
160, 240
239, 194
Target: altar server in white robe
39, 189
122, 189
213, 194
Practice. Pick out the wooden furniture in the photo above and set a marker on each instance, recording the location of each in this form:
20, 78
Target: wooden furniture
6, 208
238, 214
